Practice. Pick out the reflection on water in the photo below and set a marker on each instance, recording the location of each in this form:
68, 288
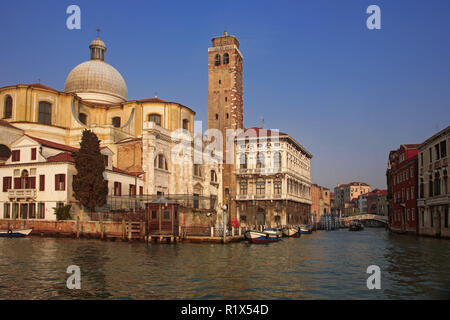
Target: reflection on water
323, 265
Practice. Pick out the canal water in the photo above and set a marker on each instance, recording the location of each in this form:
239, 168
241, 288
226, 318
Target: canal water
323, 265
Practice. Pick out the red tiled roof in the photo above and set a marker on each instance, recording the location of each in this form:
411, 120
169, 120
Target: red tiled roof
126, 172
53, 145
62, 157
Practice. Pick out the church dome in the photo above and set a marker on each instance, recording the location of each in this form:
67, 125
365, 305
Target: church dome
96, 81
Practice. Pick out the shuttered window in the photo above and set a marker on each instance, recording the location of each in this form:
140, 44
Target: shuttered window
41, 183
60, 182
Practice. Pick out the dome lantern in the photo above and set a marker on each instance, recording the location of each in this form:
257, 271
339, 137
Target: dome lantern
98, 48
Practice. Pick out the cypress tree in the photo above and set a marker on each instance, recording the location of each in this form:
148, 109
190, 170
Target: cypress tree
89, 186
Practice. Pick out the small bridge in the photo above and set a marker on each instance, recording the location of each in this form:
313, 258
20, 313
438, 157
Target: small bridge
363, 217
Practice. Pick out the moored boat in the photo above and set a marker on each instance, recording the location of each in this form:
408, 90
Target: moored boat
305, 229
262, 237
355, 226
292, 232
15, 232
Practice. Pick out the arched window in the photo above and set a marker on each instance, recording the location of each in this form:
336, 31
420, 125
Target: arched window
186, 124
116, 122
213, 176
161, 162
260, 160
8, 108
243, 161
83, 118
217, 60
156, 118
217, 116
45, 112
226, 58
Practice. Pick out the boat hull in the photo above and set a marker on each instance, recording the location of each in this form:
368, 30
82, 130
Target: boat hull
15, 233
291, 232
262, 237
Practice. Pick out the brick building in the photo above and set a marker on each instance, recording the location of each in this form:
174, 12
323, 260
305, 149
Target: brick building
402, 189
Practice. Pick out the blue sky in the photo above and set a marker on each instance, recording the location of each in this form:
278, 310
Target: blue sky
311, 68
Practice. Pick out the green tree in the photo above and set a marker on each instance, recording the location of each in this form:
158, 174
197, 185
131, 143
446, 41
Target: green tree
89, 186
63, 213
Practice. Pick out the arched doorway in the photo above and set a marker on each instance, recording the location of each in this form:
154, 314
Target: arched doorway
260, 217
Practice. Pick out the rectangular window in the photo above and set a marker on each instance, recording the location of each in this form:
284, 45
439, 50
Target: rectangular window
443, 149
6, 211
196, 201
23, 211
60, 182
421, 159
446, 214
166, 214
42, 182
413, 218
438, 153
32, 211
243, 188
33, 154
117, 189
41, 210
15, 211
15, 155
277, 187
153, 214
431, 217
105, 160
132, 190
7, 183
141, 190
430, 154
17, 183
261, 187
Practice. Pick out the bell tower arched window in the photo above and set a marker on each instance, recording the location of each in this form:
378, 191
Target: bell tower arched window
186, 124
8, 107
45, 112
217, 60
226, 58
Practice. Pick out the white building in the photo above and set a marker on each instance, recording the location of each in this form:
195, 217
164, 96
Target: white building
38, 177
273, 179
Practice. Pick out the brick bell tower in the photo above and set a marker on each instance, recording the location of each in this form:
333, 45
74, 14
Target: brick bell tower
225, 103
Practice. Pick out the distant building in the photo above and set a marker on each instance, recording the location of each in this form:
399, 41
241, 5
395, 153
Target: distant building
346, 193
434, 196
321, 203
402, 188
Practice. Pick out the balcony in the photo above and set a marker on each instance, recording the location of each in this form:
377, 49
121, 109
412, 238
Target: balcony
22, 193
